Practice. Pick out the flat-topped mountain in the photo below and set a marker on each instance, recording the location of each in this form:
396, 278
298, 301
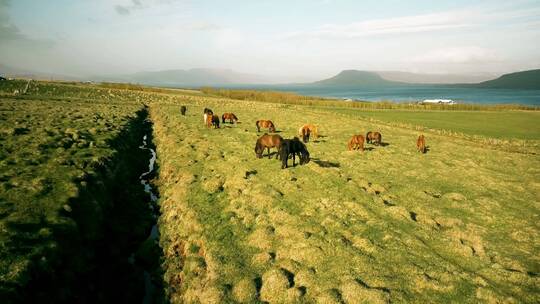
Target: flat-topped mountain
356, 78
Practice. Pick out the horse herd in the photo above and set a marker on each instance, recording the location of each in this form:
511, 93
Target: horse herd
290, 148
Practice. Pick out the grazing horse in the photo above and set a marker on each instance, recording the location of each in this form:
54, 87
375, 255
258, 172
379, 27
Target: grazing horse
207, 112
183, 110
305, 134
312, 130
230, 116
265, 124
373, 138
212, 120
356, 142
421, 144
268, 141
293, 146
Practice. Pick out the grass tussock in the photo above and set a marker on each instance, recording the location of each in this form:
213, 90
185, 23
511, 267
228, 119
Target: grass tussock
386, 225
457, 224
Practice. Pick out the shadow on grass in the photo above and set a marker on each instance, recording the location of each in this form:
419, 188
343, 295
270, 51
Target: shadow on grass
325, 163
93, 235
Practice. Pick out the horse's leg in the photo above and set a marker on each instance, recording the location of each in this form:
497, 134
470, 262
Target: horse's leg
269, 157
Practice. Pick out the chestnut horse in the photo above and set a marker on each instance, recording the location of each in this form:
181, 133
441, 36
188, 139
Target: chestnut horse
356, 142
265, 124
305, 134
207, 112
421, 144
230, 116
295, 147
312, 129
212, 120
373, 138
268, 141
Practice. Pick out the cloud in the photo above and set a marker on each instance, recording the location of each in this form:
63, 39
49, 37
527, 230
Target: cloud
126, 9
448, 20
459, 55
399, 25
202, 26
10, 34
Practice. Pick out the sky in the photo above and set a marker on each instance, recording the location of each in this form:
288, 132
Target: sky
287, 40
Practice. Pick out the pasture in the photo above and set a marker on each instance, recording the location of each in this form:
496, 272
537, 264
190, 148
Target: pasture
457, 224
63, 169
389, 224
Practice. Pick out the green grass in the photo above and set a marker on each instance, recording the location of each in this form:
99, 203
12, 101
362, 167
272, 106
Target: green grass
50, 149
389, 224
457, 224
492, 124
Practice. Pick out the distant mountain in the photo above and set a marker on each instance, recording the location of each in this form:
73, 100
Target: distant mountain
14, 72
194, 77
433, 78
356, 78
529, 80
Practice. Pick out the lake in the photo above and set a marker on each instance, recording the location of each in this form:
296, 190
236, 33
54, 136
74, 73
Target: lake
412, 93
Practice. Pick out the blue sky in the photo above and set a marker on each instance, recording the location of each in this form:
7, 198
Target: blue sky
289, 40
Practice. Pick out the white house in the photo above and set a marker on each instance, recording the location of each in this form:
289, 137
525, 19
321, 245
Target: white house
439, 101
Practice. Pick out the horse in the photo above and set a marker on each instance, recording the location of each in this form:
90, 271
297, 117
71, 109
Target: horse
268, 141
207, 112
212, 120
305, 134
265, 124
312, 130
183, 110
293, 146
230, 116
421, 144
373, 138
356, 142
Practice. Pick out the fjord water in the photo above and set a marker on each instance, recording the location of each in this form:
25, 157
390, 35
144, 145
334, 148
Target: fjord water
413, 93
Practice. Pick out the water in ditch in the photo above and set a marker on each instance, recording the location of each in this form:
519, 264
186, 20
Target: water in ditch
153, 237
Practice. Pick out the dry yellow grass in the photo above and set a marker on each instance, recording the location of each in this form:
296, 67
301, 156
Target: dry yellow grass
459, 223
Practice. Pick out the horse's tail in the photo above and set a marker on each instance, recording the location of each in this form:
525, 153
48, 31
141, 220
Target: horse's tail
223, 118
234, 117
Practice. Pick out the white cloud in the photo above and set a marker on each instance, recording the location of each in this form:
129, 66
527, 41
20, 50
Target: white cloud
459, 55
449, 20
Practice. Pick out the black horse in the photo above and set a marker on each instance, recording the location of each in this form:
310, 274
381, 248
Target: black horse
293, 146
183, 110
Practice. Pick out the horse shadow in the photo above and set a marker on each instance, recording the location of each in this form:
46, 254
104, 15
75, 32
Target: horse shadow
325, 163
384, 144
369, 149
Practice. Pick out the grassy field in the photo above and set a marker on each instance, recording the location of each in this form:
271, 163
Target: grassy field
491, 124
457, 224
59, 161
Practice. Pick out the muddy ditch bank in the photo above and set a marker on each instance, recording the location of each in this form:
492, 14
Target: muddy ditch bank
102, 253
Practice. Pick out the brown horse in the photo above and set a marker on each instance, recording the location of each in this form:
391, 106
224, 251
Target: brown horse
312, 130
268, 141
265, 124
230, 116
212, 120
421, 144
207, 112
373, 138
305, 134
356, 142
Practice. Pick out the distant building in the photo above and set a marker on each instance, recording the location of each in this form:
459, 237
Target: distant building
439, 101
